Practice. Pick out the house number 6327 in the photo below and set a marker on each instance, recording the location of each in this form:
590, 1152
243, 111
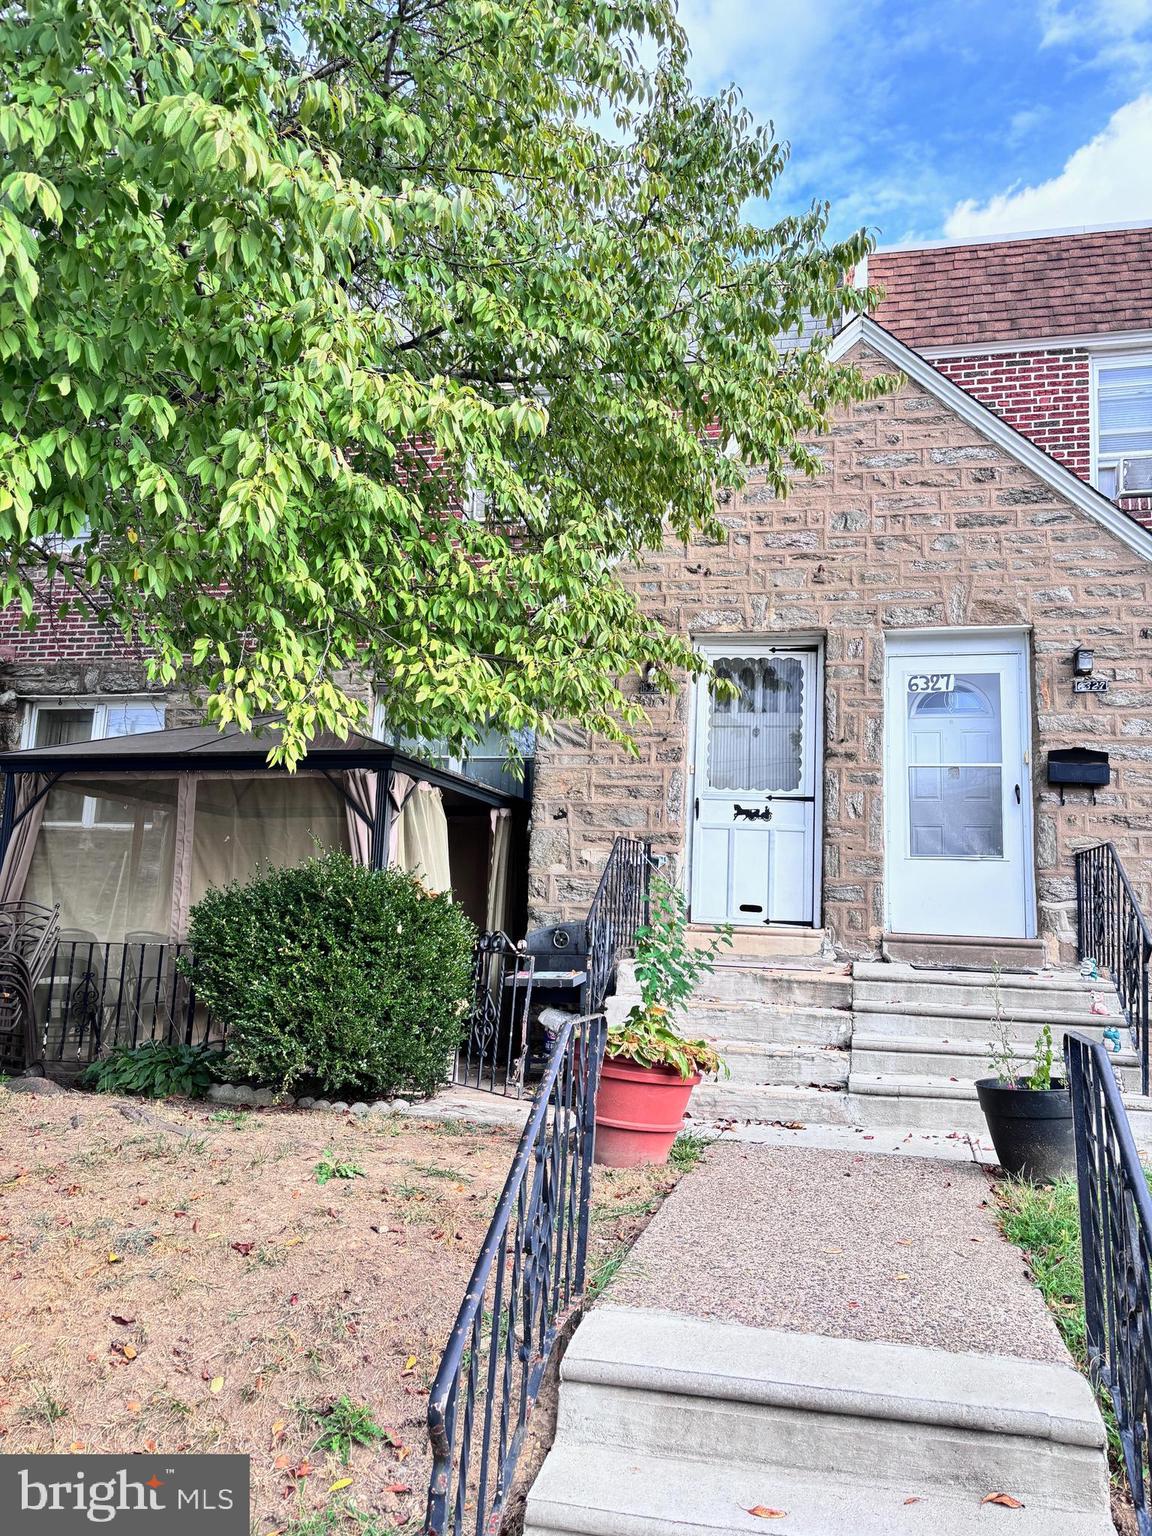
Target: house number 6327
932, 682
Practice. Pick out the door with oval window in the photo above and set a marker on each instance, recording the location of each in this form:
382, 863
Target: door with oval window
753, 854
956, 794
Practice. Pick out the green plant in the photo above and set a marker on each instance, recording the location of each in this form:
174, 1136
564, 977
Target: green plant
332, 1167
238, 1119
344, 1424
1005, 1059
647, 1039
688, 1148
250, 255
154, 1070
668, 970
357, 980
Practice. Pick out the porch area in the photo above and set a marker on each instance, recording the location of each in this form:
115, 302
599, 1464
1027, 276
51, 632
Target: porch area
123, 836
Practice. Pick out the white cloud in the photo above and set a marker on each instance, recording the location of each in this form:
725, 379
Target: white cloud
1108, 180
1067, 21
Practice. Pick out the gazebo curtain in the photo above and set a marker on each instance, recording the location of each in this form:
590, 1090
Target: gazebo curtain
14, 871
130, 854
421, 836
498, 860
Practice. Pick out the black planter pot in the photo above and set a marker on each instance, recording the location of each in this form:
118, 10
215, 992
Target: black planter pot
1031, 1129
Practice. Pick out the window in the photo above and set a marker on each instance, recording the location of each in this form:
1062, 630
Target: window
486, 760
56, 725
1124, 425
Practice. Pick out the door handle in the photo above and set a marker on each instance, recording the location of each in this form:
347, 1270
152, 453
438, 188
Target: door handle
1017, 794
697, 807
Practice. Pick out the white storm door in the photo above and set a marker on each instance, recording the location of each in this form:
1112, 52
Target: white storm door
956, 791
754, 815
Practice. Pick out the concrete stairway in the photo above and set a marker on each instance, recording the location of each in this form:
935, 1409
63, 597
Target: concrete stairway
784, 1032
921, 1038
671, 1424
889, 1045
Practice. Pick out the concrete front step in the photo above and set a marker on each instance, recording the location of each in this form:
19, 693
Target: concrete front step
751, 1064
839, 1433
1056, 991
783, 986
713, 1101
779, 941
618, 1494
942, 1106
960, 1021
966, 1060
768, 1024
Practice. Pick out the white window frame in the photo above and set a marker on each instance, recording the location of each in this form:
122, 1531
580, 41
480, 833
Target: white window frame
1102, 363
99, 708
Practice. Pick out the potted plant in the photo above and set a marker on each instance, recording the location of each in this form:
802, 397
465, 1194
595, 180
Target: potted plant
649, 1068
1029, 1114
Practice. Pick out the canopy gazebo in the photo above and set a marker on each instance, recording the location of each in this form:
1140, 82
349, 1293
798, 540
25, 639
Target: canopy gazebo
125, 834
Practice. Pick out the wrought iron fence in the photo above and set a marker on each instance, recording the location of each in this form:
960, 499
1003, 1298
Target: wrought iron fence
618, 909
1116, 1238
529, 1273
494, 1054
92, 997
1113, 931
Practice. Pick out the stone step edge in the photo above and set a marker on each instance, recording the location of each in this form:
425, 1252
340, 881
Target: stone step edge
819, 1374
923, 1087
623, 1494
943, 1045
1056, 1018
893, 974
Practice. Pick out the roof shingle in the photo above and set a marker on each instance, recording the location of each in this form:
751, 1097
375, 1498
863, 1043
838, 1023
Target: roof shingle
1027, 289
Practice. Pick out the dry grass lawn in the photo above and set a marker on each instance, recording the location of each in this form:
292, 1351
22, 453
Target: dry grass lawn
207, 1292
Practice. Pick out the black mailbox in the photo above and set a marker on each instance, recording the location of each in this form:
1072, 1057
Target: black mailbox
1078, 768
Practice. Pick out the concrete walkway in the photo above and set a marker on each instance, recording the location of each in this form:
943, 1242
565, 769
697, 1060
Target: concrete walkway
841, 1243
836, 1339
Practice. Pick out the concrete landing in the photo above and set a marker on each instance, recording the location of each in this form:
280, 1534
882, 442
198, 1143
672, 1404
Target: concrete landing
842, 1243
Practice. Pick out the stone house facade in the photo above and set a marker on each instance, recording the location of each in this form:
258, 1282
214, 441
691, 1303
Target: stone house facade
937, 528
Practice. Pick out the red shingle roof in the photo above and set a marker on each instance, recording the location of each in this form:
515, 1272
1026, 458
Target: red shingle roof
1051, 285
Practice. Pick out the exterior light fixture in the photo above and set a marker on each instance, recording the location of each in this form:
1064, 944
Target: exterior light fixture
1083, 660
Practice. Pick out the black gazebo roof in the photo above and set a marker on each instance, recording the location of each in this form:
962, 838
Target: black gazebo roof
193, 748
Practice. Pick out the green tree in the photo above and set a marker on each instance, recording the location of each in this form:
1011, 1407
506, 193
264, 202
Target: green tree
275, 282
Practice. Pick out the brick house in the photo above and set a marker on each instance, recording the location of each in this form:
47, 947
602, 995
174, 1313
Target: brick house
956, 539
903, 632
1054, 332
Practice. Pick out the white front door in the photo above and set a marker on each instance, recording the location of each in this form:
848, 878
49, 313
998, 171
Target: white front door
957, 800
753, 858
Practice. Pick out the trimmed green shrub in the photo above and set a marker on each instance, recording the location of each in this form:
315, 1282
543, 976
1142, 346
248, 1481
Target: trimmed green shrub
352, 979
154, 1070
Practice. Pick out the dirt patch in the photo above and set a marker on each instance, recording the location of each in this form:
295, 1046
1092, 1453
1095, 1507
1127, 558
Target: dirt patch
205, 1292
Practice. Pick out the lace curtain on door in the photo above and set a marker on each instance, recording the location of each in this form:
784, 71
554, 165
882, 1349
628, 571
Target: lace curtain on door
755, 741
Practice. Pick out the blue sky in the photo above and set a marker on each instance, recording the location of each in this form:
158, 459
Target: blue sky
927, 119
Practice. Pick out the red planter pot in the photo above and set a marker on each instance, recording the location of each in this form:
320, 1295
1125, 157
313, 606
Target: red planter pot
639, 1112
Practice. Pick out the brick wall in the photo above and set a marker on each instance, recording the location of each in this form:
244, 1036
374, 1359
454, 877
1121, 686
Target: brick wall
918, 521
1046, 396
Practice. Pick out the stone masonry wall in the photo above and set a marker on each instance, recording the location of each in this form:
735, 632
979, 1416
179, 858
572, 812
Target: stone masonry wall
918, 521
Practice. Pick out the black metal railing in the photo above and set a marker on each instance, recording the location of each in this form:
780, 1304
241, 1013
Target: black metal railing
93, 996
1116, 1239
494, 1052
619, 908
1113, 931
528, 1276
